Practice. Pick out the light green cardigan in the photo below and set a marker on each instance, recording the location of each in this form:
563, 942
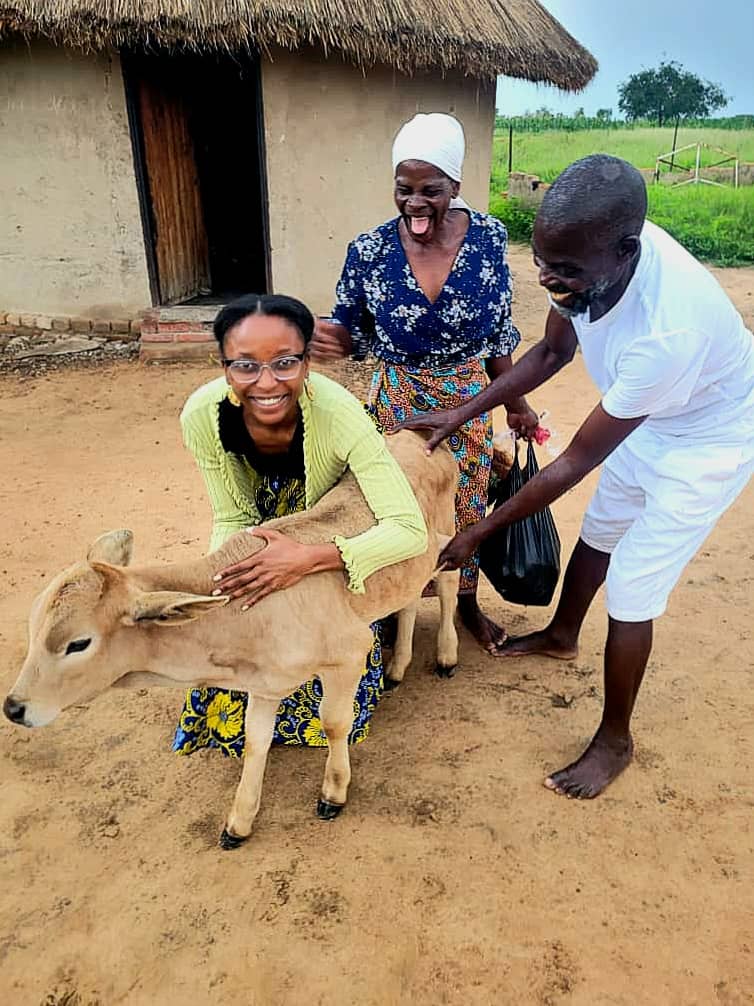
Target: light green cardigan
338, 435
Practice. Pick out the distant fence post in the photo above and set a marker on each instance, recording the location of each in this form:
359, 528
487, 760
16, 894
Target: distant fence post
675, 141
510, 147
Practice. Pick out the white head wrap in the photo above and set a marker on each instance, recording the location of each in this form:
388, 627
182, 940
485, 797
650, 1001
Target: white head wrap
435, 138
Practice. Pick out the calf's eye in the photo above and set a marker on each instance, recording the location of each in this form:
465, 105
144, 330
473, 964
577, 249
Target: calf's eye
77, 646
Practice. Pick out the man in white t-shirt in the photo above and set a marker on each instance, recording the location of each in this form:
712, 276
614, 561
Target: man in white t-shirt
674, 431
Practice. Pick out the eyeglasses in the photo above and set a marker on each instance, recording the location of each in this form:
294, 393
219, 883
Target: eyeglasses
285, 368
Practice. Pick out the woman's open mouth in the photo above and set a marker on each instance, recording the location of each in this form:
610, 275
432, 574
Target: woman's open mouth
269, 401
418, 226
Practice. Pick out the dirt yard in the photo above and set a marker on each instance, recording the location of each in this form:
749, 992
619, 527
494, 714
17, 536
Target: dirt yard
453, 877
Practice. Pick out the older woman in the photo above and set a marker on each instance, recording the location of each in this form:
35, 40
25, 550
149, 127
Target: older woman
270, 438
429, 293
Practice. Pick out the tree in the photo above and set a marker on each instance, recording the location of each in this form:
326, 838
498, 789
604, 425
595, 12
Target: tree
669, 93
604, 114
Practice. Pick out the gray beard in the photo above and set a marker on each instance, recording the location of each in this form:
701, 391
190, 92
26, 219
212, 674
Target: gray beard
582, 302
564, 312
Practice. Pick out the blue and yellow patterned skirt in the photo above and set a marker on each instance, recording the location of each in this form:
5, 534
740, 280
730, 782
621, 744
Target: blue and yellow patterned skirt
214, 717
398, 393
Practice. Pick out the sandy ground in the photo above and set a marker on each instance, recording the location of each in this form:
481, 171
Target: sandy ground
453, 876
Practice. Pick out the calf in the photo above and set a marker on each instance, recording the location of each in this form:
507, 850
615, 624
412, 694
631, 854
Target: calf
103, 623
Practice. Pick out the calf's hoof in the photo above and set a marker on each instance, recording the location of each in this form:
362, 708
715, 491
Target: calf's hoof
328, 811
391, 685
446, 672
228, 841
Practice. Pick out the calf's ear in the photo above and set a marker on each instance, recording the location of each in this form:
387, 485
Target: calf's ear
114, 548
172, 607
112, 576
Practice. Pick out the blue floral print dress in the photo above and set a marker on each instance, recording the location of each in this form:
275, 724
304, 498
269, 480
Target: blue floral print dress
431, 355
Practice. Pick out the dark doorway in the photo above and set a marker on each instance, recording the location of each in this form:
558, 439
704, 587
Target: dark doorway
196, 124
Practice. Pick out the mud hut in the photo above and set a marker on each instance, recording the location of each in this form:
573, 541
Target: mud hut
164, 153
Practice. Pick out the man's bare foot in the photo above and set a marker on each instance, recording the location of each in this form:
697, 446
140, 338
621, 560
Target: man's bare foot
487, 633
542, 644
603, 761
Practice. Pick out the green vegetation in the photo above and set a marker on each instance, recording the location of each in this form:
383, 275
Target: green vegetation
544, 120
547, 153
715, 224
518, 219
669, 94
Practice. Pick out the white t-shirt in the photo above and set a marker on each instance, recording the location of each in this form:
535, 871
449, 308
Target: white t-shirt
674, 349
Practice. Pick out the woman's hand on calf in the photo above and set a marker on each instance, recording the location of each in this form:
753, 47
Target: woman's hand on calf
280, 564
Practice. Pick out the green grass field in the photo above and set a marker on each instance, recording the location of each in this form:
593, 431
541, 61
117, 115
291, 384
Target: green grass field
715, 224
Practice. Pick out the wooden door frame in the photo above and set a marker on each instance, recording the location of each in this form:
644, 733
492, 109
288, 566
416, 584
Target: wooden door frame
129, 72
264, 192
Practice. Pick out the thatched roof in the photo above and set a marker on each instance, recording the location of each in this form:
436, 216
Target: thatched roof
481, 38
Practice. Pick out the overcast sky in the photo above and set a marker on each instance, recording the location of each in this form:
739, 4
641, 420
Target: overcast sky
713, 40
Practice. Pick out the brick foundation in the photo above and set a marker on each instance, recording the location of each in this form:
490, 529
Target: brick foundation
167, 333
178, 333
30, 325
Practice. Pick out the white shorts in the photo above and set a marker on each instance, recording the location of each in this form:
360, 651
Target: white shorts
654, 506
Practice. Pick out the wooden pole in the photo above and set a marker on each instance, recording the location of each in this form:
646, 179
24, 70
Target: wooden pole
510, 148
675, 139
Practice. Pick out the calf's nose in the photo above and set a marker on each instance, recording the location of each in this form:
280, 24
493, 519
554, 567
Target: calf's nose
14, 710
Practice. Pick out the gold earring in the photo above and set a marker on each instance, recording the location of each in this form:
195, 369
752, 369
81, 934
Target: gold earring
233, 397
308, 389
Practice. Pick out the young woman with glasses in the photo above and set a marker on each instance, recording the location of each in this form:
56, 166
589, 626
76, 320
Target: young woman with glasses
270, 439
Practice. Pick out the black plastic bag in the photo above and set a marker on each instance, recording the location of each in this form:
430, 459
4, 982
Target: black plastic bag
522, 560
